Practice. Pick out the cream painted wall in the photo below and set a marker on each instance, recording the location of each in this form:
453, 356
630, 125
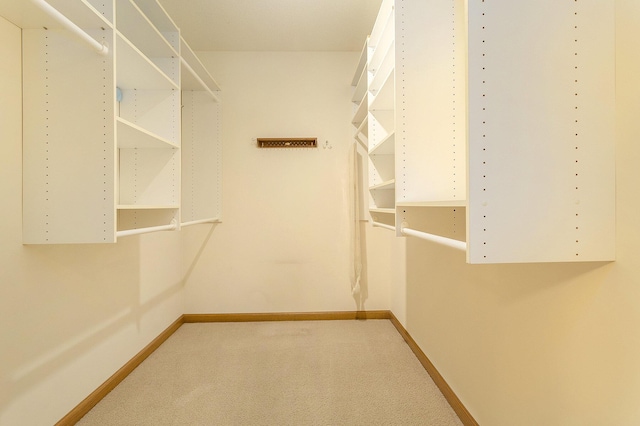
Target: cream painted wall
284, 244
543, 344
520, 344
71, 315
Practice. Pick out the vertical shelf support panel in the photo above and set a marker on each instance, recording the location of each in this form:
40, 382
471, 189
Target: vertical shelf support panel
201, 157
541, 124
430, 101
68, 139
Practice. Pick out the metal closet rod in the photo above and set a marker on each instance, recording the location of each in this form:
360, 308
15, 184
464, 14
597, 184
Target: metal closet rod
449, 242
101, 48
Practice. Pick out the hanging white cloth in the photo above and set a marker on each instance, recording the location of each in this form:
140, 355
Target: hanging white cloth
354, 177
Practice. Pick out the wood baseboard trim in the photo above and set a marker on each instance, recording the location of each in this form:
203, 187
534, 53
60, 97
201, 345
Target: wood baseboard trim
463, 414
90, 401
287, 316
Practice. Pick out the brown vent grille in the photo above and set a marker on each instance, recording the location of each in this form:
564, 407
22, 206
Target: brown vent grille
287, 142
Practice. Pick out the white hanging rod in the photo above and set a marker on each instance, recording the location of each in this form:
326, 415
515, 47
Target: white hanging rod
197, 222
450, 242
197, 77
383, 225
101, 48
170, 227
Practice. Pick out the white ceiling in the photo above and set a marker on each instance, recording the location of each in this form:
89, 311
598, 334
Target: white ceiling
274, 25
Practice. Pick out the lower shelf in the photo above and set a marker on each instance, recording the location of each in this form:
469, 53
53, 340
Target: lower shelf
383, 217
170, 227
139, 219
446, 203
146, 207
382, 210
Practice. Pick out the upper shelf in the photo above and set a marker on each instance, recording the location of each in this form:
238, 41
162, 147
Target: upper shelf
362, 63
161, 21
385, 15
360, 114
383, 46
360, 88
359, 81
194, 62
137, 71
27, 15
384, 97
137, 27
194, 75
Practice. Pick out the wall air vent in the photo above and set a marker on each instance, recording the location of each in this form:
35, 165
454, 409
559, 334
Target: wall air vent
287, 142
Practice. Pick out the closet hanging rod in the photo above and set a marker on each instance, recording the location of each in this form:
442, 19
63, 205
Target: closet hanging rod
101, 48
383, 225
450, 242
197, 222
139, 231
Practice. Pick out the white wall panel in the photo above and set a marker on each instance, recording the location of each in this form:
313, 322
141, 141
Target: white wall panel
283, 245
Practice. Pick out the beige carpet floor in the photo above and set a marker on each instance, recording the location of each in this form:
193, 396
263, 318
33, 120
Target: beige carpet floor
278, 373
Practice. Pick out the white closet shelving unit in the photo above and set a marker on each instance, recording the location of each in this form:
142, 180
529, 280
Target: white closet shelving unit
147, 75
381, 117
106, 153
431, 97
502, 132
360, 122
360, 99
